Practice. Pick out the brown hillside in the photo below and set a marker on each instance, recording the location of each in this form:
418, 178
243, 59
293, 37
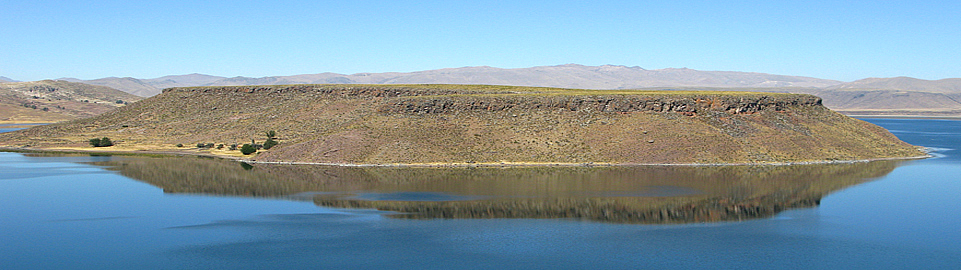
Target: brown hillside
464, 124
55, 101
947, 86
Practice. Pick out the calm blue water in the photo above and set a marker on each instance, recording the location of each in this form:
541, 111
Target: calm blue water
67, 213
2, 130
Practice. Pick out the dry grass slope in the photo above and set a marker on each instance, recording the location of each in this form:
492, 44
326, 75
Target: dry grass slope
54, 101
470, 124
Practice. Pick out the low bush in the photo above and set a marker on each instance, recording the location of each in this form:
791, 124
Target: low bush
270, 143
101, 142
247, 149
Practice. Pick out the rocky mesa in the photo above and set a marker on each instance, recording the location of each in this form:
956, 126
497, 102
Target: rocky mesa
480, 124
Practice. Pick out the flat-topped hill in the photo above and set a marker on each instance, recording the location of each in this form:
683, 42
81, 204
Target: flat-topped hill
468, 124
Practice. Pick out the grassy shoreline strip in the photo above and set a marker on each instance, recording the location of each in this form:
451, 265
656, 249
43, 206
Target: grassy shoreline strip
446, 165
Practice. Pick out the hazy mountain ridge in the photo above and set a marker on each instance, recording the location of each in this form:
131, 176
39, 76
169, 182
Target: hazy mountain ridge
565, 76
902, 95
951, 86
5, 79
126, 84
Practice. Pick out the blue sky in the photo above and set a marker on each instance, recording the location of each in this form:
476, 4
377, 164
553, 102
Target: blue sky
841, 40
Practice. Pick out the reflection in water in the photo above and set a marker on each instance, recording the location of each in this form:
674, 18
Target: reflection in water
649, 194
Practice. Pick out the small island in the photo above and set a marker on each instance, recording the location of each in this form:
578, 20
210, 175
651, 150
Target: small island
477, 125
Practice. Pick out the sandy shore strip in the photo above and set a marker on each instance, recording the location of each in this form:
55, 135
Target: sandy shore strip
437, 164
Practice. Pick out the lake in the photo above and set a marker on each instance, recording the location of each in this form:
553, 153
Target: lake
13, 127
72, 211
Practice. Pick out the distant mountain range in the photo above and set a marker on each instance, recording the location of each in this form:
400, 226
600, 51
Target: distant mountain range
565, 76
900, 95
5, 79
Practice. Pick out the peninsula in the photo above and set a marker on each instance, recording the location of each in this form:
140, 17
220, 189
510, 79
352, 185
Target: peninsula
478, 124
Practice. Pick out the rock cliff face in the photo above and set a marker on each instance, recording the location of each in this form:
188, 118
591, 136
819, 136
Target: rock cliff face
689, 105
470, 124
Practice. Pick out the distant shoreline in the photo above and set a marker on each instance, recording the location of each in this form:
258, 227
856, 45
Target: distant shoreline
905, 117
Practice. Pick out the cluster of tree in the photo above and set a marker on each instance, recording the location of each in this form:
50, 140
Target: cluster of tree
246, 149
101, 142
205, 145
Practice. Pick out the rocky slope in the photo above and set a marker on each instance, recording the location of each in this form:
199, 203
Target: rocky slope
54, 101
468, 124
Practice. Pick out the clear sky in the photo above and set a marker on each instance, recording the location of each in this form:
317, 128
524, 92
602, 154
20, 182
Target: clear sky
841, 40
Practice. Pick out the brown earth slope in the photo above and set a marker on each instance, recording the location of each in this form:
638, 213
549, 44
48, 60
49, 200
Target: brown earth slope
465, 124
54, 101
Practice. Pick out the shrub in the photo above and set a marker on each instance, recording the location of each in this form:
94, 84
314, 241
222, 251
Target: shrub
270, 143
209, 145
271, 134
247, 149
180, 145
100, 142
220, 146
200, 145
233, 146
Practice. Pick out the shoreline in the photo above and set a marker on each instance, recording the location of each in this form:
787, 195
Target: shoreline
905, 117
450, 165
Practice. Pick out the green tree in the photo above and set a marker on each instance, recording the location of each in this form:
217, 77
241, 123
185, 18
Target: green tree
247, 149
270, 143
271, 134
100, 142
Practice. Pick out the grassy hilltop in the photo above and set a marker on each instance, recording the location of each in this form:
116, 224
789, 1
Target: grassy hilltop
466, 124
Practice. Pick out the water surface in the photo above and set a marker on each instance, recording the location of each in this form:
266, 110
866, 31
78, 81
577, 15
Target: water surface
95, 212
